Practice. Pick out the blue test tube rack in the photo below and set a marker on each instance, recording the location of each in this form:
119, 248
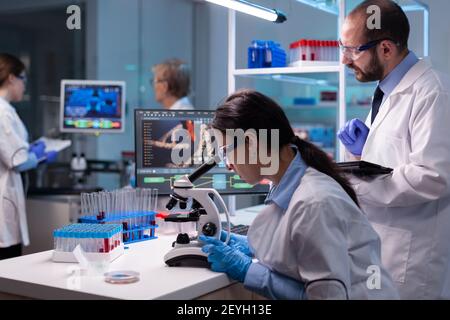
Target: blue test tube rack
100, 242
136, 227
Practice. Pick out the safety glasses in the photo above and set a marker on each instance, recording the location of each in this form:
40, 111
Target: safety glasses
353, 53
154, 81
223, 150
23, 77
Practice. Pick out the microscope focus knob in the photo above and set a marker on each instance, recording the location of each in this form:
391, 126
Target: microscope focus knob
209, 229
183, 238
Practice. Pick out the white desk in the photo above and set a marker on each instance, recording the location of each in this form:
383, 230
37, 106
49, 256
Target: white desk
36, 276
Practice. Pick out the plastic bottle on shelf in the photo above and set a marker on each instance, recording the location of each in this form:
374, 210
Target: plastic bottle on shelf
330, 50
292, 52
313, 50
297, 51
268, 55
336, 50
304, 50
314, 56
321, 50
332, 56
307, 50
253, 54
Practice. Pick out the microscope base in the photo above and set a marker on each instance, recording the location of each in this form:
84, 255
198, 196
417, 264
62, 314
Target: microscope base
186, 256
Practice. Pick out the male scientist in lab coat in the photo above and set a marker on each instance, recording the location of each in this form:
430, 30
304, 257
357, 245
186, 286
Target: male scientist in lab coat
407, 130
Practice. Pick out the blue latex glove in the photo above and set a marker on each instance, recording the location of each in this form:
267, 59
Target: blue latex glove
238, 242
38, 148
51, 156
353, 135
224, 258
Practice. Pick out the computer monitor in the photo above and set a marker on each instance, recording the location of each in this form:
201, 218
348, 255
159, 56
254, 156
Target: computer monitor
156, 136
92, 106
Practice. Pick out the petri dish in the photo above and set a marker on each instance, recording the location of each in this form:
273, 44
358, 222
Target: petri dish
122, 277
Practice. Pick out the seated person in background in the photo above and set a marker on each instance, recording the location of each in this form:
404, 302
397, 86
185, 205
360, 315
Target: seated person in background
171, 82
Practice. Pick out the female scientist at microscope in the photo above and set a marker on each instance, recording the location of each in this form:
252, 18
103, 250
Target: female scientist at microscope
311, 240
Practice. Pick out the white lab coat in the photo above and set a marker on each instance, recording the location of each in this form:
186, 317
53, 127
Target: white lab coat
13, 152
410, 209
182, 104
322, 239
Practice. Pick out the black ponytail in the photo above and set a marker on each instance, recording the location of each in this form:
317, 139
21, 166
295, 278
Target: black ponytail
249, 109
319, 160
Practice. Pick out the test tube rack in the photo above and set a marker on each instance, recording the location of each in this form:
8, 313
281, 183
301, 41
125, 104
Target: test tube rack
100, 243
136, 227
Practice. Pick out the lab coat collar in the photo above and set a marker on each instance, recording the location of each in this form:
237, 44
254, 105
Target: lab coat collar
412, 75
182, 104
408, 80
388, 84
282, 193
4, 102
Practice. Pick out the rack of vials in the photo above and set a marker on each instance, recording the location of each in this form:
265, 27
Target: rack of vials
98, 241
134, 209
305, 50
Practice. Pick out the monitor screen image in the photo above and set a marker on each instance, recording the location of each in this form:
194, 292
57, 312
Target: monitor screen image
157, 138
92, 106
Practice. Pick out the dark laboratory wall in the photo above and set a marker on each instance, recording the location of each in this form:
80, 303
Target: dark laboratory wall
51, 52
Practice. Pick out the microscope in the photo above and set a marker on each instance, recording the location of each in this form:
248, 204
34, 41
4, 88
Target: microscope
187, 251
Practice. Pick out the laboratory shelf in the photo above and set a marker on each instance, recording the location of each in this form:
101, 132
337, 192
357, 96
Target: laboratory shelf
311, 69
333, 7
332, 75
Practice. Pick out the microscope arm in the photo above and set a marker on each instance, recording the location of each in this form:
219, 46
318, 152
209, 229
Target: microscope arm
187, 181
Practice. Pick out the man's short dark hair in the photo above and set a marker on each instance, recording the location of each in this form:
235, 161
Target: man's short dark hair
394, 23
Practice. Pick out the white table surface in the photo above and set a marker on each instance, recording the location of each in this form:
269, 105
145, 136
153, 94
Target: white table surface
36, 276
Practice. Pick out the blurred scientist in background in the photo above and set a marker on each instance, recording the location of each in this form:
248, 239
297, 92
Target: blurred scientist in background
171, 83
16, 156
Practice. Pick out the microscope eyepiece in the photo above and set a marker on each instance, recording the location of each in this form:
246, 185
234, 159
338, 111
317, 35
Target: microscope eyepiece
204, 168
172, 203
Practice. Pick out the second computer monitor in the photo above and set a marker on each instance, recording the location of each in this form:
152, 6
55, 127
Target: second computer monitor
158, 134
92, 106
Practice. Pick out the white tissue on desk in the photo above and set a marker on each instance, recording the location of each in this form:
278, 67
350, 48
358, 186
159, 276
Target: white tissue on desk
90, 267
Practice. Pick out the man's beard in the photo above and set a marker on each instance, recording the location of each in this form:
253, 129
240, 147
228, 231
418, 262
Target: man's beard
374, 71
